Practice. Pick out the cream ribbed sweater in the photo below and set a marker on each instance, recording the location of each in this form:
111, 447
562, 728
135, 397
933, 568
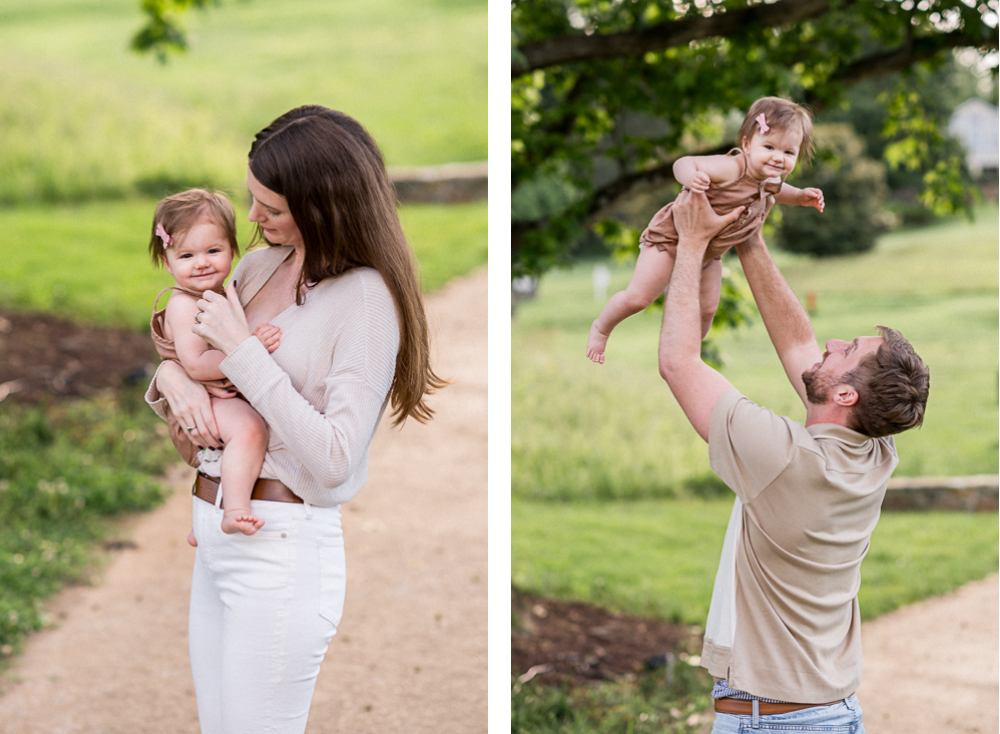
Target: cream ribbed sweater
323, 391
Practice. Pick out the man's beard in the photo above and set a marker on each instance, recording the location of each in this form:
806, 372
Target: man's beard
818, 386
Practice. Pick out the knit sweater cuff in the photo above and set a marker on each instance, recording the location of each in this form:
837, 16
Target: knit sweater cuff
251, 368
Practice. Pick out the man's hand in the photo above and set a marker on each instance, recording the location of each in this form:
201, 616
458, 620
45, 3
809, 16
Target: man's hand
696, 222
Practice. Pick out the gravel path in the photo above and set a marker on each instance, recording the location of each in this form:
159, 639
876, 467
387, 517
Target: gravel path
410, 654
931, 668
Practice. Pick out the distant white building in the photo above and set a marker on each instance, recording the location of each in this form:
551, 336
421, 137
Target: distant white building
977, 125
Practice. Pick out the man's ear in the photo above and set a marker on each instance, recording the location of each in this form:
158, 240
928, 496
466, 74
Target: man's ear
845, 395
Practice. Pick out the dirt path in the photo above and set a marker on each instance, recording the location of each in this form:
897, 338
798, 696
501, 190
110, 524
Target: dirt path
932, 667
410, 654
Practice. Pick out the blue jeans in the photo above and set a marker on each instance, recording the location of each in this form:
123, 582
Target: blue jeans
843, 717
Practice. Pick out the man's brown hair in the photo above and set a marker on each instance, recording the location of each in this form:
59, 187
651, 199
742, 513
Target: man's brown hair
892, 387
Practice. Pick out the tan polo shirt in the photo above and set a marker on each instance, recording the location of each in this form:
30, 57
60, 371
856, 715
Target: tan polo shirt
811, 498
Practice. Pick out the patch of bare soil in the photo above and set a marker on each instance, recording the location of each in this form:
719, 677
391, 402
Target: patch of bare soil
554, 640
44, 356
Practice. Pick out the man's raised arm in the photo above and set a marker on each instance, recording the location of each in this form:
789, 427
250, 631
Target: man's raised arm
695, 385
786, 321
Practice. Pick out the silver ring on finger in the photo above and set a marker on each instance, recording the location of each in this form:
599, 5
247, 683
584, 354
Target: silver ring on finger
190, 428
197, 318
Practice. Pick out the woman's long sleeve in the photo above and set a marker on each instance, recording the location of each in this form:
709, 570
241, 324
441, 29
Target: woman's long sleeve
324, 390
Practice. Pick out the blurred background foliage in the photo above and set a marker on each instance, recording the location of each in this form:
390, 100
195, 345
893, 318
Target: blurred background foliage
95, 133
86, 117
606, 95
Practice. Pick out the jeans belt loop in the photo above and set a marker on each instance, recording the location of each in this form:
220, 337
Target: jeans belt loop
756, 714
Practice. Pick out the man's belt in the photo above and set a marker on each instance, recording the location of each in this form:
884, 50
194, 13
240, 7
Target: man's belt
745, 708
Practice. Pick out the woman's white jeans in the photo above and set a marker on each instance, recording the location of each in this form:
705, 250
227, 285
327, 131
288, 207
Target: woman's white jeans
264, 608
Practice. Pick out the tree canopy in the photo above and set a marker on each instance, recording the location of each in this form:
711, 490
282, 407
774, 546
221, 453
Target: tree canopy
606, 94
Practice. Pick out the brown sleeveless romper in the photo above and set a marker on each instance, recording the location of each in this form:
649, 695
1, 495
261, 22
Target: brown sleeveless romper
165, 348
757, 196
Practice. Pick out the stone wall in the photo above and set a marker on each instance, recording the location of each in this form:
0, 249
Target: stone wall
451, 183
970, 494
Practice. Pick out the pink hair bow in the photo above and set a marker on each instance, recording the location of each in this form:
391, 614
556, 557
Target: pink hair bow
162, 234
764, 127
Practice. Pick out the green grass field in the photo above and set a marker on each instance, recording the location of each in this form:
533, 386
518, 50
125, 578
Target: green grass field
583, 430
89, 261
94, 134
606, 472
85, 117
659, 557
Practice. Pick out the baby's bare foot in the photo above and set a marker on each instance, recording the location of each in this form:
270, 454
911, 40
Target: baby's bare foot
596, 343
240, 521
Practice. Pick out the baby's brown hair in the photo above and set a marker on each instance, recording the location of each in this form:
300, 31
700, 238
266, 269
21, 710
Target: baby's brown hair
782, 115
176, 214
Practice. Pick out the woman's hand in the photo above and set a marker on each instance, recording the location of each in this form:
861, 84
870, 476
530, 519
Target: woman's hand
190, 403
221, 321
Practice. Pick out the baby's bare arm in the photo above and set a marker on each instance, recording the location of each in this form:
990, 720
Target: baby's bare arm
800, 197
700, 172
199, 360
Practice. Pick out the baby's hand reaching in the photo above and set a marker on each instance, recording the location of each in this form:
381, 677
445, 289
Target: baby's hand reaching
270, 336
812, 197
700, 182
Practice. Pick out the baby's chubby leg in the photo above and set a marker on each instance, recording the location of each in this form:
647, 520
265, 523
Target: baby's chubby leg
650, 278
710, 288
245, 437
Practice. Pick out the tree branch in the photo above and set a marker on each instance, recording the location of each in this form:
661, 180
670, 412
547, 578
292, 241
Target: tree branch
578, 47
867, 67
920, 49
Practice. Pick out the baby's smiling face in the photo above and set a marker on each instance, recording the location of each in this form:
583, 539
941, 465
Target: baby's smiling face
774, 154
201, 258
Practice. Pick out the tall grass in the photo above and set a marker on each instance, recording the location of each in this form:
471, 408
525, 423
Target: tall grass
83, 117
88, 262
69, 136
659, 557
614, 431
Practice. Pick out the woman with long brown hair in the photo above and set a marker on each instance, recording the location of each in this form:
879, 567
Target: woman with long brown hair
338, 279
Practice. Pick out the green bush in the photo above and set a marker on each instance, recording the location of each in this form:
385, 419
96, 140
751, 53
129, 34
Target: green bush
669, 702
854, 189
65, 469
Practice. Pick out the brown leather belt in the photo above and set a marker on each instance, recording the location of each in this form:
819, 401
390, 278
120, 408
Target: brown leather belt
745, 708
206, 488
